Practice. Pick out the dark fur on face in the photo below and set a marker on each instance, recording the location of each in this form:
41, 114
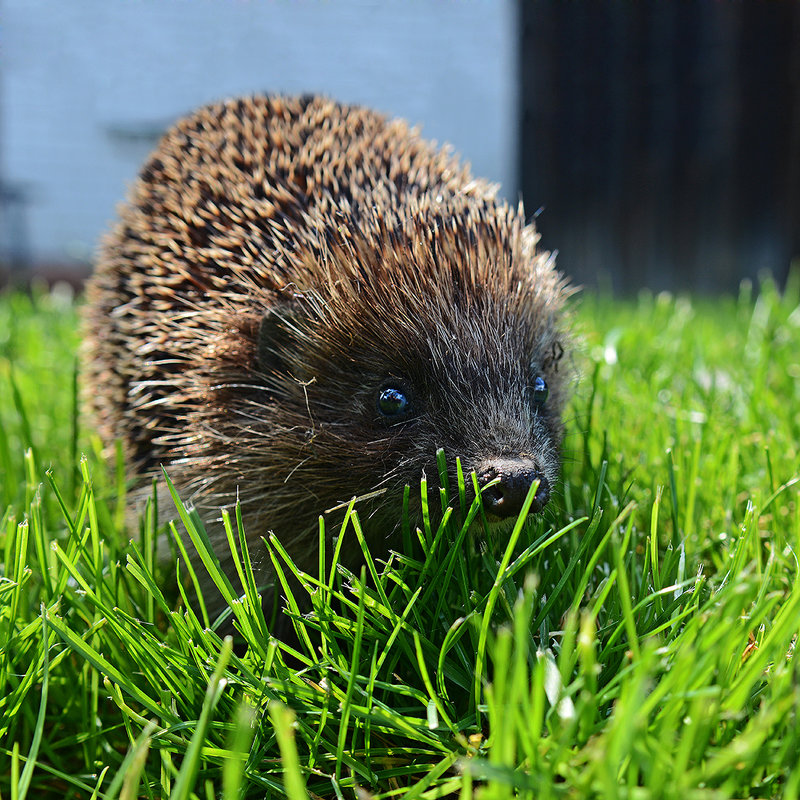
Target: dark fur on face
286, 271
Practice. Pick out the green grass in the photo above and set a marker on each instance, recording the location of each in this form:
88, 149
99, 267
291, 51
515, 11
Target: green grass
638, 641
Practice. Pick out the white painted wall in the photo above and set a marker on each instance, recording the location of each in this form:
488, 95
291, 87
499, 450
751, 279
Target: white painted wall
86, 84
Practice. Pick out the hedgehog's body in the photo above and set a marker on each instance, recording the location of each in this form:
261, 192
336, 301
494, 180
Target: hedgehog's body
302, 302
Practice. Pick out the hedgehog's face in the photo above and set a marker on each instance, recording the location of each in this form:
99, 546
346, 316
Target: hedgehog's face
510, 435
492, 410
485, 387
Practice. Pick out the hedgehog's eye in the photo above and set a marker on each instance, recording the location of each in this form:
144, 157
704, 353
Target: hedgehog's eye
540, 391
393, 402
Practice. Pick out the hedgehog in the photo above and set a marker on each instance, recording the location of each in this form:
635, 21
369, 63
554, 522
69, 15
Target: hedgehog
303, 301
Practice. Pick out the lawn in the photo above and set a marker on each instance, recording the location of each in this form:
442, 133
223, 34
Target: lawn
637, 640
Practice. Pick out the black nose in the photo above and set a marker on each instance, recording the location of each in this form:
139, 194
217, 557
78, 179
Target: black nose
515, 475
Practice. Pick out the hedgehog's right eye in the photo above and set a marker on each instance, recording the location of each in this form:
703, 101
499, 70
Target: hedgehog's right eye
540, 391
393, 402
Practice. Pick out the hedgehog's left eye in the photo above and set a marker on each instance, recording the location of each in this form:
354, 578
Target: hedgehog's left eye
540, 391
393, 402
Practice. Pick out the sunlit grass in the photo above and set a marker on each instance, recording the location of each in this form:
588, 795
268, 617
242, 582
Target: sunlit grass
635, 641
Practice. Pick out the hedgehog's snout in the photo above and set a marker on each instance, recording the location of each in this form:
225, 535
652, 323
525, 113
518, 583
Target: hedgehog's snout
515, 477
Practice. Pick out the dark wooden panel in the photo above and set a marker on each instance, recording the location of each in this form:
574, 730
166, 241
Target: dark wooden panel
663, 139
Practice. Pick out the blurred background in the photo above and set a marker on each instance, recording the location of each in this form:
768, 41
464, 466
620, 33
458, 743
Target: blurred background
657, 144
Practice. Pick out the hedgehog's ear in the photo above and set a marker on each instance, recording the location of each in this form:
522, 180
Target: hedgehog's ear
273, 338
553, 357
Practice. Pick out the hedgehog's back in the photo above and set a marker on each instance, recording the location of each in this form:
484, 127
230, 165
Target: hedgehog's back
213, 221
